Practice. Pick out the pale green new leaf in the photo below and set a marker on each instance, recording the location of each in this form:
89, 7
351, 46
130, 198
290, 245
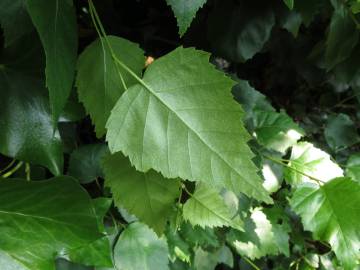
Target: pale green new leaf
181, 120
48, 217
148, 196
305, 158
139, 247
332, 213
261, 237
353, 167
185, 11
98, 80
55, 21
207, 208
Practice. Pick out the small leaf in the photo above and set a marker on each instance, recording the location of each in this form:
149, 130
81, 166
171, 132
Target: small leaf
185, 12
207, 208
340, 132
198, 236
305, 158
353, 167
85, 162
149, 196
331, 212
98, 80
138, 247
55, 21
49, 217
196, 131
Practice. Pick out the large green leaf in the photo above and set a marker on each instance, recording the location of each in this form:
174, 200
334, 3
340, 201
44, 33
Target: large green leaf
85, 162
207, 208
55, 20
148, 196
14, 20
185, 12
305, 158
332, 213
340, 132
261, 236
45, 218
181, 121
138, 247
342, 37
99, 79
26, 131
239, 29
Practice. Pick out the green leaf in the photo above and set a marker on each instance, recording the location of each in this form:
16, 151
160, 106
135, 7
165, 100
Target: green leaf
196, 131
342, 37
9, 263
98, 80
261, 237
49, 216
62, 264
340, 132
138, 247
239, 29
196, 235
353, 167
205, 260
55, 21
292, 22
331, 212
289, 3
305, 158
85, 162
276, 131
26, 131
98, 252
207, 208
14, 20
185, 12
148, 196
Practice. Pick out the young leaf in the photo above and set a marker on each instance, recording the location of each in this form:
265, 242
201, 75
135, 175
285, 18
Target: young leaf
26, 131
331, 212
185, 12
207, 208
181, 121
14, 20
55, 20
305, 158
138, 247
49, 216
148, 196
99, 78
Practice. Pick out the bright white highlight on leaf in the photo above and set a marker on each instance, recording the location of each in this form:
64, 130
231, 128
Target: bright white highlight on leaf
271, 182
